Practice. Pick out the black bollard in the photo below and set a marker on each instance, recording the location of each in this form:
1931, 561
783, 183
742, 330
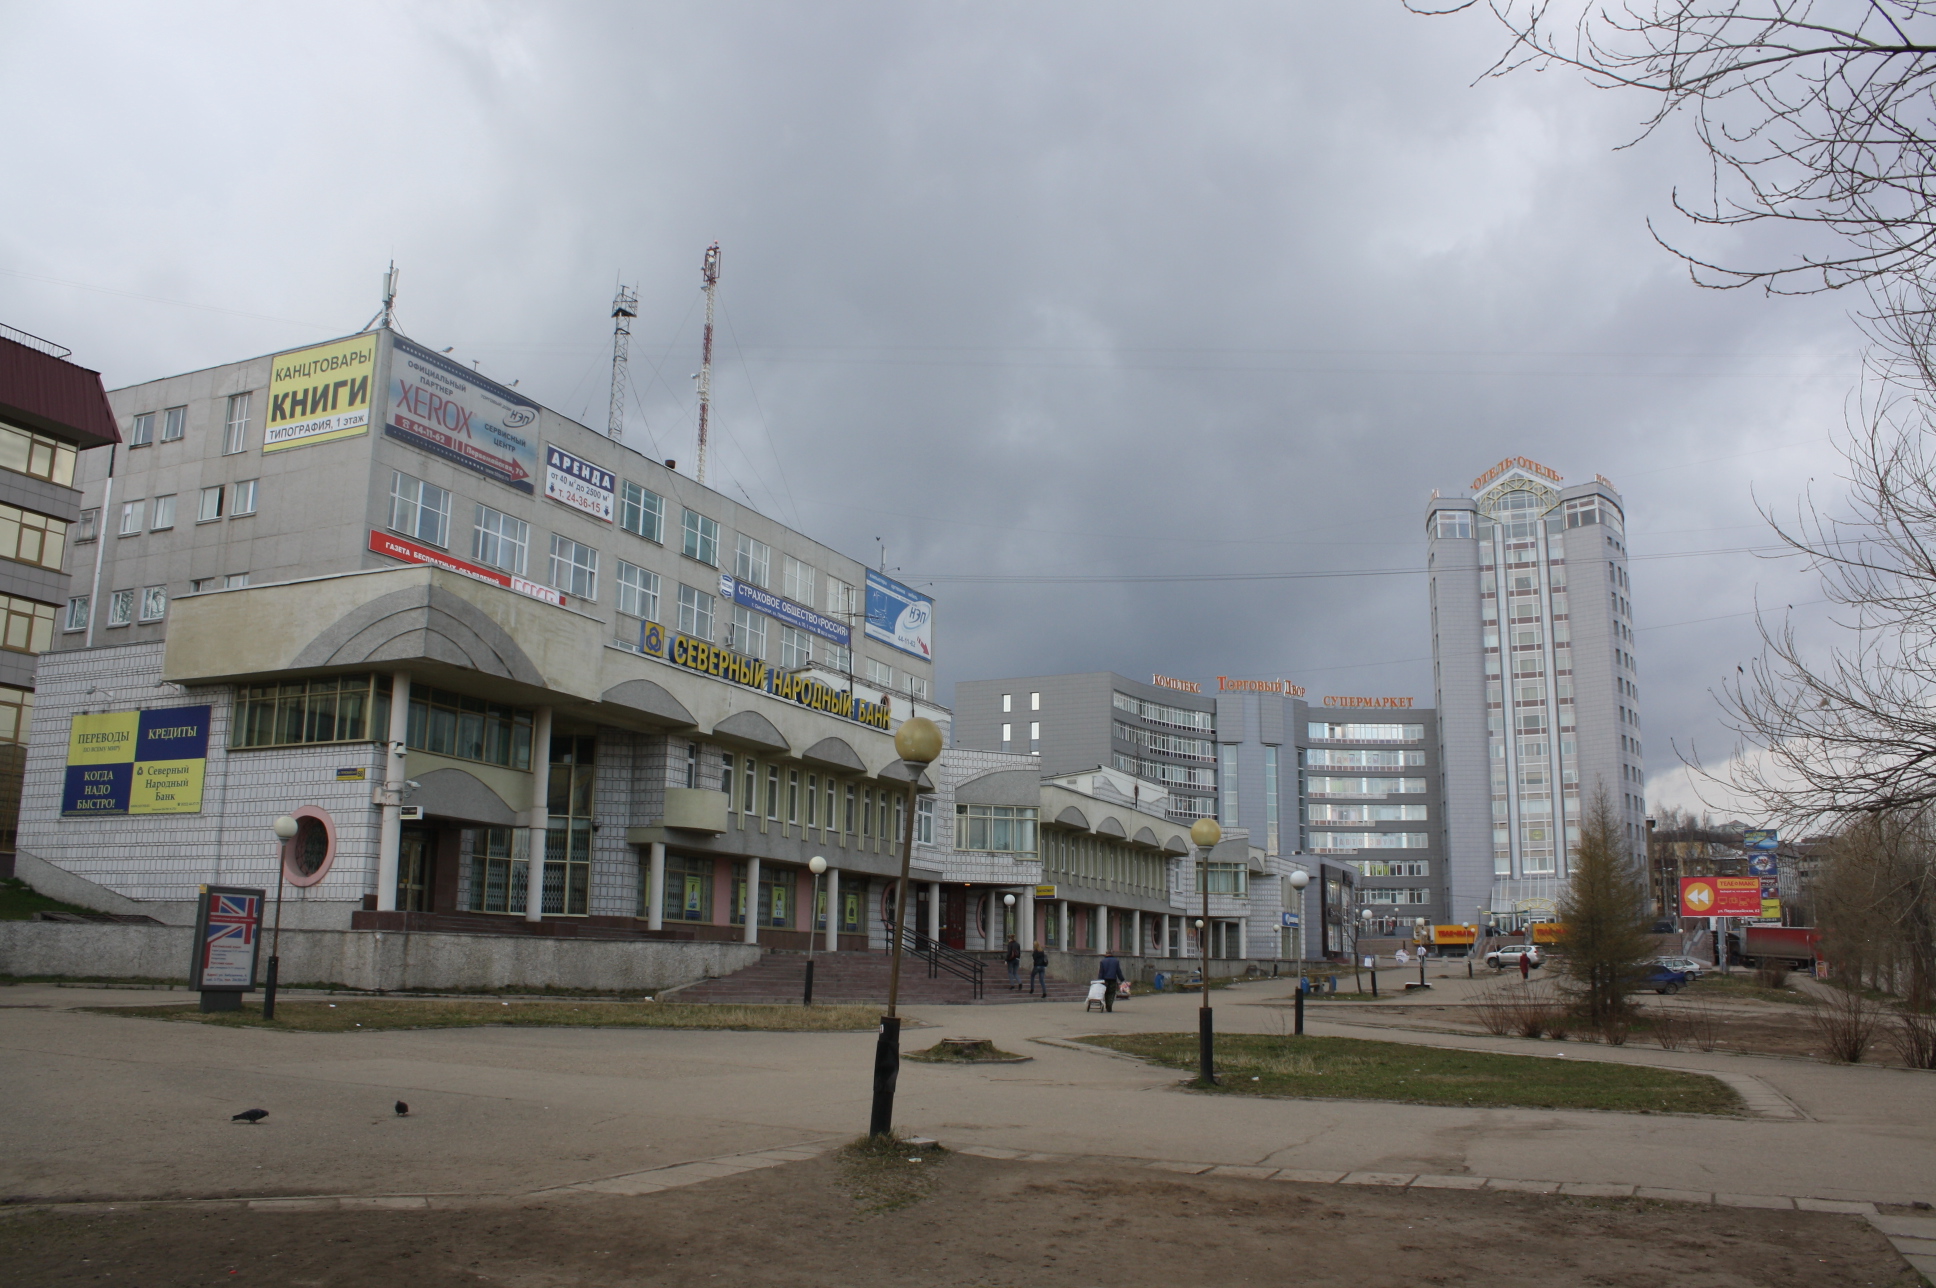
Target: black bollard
1206, 1062
269, 990
809, 998
887, 1071
1374, 981
1300, 1010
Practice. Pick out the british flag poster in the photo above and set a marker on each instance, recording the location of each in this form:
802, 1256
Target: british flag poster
228, 935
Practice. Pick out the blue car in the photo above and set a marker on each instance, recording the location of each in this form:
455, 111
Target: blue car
1664, 979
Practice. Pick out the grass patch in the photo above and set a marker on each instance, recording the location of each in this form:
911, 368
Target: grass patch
1356, 1069
886, 1174
20, 901
360, 1015
1741, 986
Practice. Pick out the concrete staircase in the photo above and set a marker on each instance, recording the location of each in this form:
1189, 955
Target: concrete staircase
855, 977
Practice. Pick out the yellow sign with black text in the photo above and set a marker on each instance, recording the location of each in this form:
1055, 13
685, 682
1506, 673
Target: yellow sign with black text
320, 394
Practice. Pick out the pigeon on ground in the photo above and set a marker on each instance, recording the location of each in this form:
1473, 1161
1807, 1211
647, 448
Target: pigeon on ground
402, 1109
250, 1116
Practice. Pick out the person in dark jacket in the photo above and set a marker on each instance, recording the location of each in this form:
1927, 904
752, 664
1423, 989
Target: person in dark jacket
1110, 972
1013, 956
1039, 969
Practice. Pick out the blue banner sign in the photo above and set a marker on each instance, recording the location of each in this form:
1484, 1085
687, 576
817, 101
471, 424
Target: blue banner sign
1760, 842
900, 616
765, 601
578, 483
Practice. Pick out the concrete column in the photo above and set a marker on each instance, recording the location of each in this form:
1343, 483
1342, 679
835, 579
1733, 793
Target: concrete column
540, 808
1102, 928
1243, 939
833, 909
752, 901
1163, 937
655, 888
934, 910
1062, 925
390, 836
1136, 932
1025, 918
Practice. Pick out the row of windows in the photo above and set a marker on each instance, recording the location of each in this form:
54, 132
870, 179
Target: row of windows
1341, 758
1326, 732
1035, 702
1326, 812
356, 708
1159, 771
36, 455
806, 799
1370, 840
1394, 867
1100, 861
1406, 897
422, 511
1323, 786
174, 425
1158, 713
998, 829
230, 500
1165, 744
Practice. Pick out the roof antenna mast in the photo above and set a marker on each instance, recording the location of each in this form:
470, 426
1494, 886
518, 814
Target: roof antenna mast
709, 273
625, 307
387, 315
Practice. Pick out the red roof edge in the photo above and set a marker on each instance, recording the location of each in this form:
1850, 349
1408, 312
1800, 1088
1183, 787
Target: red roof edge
54, 396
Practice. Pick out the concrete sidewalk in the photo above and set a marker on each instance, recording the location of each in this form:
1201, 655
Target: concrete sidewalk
113, 1107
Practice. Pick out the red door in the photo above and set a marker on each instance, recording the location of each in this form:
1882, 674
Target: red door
954, 916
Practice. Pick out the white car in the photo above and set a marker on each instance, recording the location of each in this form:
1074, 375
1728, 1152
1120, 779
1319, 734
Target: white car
1501, 958
1685, 965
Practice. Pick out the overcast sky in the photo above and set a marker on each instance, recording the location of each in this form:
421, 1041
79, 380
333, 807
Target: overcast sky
1098, 304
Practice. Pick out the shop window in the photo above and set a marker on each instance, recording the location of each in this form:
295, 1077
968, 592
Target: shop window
688, 889
568, 827
499, 868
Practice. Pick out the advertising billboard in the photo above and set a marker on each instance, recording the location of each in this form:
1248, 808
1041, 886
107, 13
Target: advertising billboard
1455, 934
388, 543
320, 394
765, 601
581, 485
1764, 841
1720, 896
899, 616
439, 407
136, 762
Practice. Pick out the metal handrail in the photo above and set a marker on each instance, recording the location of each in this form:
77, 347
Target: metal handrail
940, 957
33, 341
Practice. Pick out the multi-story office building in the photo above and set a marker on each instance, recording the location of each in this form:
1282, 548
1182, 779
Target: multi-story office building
1538, 697
1097, 719
50, 410
1348, 781
459, 637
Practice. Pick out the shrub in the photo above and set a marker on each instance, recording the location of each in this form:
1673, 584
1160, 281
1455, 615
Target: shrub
1914, 1036
1772, 975
1847, 1025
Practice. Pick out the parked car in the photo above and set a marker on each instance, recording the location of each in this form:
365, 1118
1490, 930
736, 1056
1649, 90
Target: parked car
1509, 955
1685, 965
1663, 979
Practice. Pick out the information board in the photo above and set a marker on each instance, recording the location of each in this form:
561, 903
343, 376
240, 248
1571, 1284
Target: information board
228, 937
136, 762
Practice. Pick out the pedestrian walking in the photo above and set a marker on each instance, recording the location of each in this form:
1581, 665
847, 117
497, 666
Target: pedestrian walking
1525, 967
1039, 969
1013, 956
1110, 972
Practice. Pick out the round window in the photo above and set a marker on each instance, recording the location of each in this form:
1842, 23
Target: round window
307, 855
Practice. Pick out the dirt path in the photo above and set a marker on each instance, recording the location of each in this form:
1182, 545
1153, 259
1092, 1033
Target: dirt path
985, 1223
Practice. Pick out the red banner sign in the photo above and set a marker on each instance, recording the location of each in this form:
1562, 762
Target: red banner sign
1720, 897
396, 547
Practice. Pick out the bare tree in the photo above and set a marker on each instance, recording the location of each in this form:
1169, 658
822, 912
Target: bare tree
1816, 114
1875, 900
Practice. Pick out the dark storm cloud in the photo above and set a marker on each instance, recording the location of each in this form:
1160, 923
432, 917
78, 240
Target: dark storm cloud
1055, 292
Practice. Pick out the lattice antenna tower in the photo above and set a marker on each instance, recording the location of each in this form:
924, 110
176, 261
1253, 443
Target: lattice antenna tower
625, 307
709, 274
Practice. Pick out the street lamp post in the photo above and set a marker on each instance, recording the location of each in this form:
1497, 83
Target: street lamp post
1299, 880
1364, 918
917, 742
1205, 833
815, 865
1418, 924
285, 829
1008, 904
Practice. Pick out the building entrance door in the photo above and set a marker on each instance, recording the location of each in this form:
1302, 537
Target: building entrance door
954, 916
415, 851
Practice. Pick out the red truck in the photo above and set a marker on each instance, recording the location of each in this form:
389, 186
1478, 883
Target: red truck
1792, 946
